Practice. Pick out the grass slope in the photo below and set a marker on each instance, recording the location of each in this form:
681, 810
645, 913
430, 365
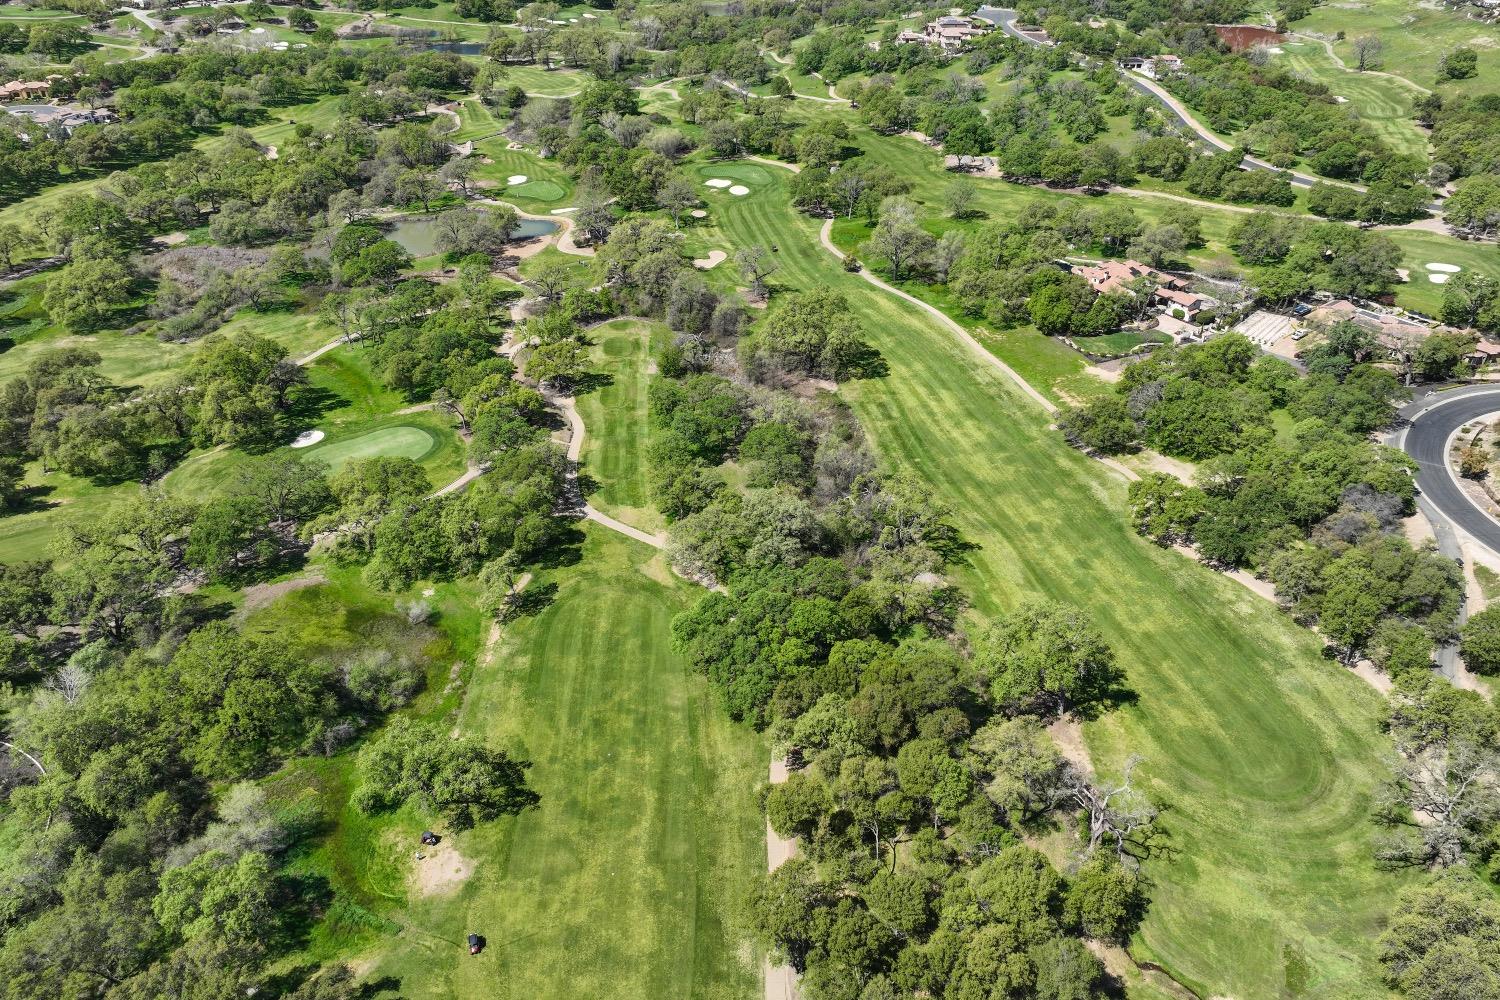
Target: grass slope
1263, 755
623, 882
1384, 102
1413, 38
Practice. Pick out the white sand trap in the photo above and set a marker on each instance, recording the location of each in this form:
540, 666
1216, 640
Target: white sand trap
718, 182
515, 179
1439, 279
257, 31
698, 213
1445, 268
1341, 100
713, 260
307, 439
739, 190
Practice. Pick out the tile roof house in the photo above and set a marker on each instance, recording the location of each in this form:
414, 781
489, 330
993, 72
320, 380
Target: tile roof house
949, 32
1112, 275
24, 90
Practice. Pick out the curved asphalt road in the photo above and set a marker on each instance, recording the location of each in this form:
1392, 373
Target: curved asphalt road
1434, 418
1006, 19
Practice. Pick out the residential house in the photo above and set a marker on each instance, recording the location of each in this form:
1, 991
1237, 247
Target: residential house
1176, 300
1397, 335
1484, 353
950, 33
1152, 67
1115, 275
1168, 292
25, 90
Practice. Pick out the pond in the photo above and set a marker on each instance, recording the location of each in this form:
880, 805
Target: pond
418, 236
459, 48
1240, 37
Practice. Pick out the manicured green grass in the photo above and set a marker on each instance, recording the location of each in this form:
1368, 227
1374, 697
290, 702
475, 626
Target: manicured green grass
138, 359
614, 450
546, 185
625, 880
752, 175
1413, 38
1384, 102
395, 441
359, 415
1120, 341
476, 121
1263, 755
537, 191
546, 82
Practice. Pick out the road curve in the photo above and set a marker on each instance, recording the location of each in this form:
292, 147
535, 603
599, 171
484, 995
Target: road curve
1006, 19
1434, 419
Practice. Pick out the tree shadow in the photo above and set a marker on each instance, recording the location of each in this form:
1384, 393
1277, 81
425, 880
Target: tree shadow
567, 551
591, 382
532, 601
867, 363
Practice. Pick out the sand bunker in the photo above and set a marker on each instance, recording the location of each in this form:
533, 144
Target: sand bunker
1439, 279
307, 439
739, 190
698, 213
713, 260
718, 182
1445, 268
515, 179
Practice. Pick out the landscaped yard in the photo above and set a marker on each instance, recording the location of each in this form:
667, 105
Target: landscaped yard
1263, 754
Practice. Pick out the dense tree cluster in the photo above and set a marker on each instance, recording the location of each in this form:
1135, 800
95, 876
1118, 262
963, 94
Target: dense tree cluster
1316, 508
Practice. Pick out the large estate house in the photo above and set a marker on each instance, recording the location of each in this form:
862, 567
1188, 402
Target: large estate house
950, 32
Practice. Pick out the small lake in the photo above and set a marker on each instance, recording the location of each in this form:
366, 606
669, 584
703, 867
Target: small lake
418, 236
459, 48
1240, 37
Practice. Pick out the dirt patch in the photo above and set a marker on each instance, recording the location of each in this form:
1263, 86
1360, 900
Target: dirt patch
1157, 462
262, 594
170, 239
442, 870
1068, 735
1417, 529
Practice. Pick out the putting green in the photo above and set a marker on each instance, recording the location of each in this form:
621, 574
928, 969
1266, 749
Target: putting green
403, 441
538, 191
742, 173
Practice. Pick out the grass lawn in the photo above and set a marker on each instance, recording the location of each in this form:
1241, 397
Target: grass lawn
546, 82
1263, 755
614, 449
1382, 101
625, 880
476, 121
1121, 341
1413, 38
